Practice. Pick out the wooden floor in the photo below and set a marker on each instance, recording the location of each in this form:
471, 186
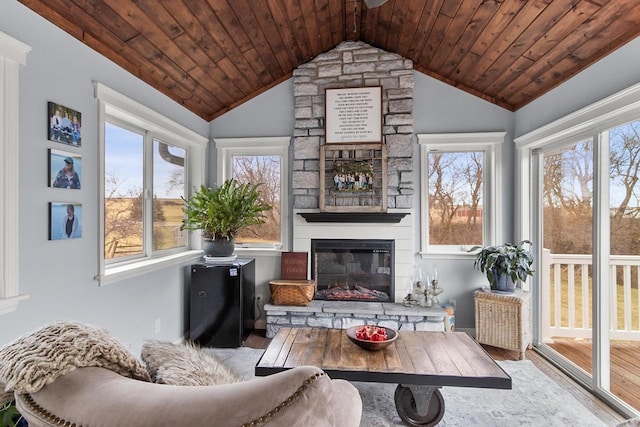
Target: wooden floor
625, 364
588, 400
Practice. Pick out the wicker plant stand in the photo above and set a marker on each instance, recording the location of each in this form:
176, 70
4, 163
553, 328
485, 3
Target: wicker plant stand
504, 320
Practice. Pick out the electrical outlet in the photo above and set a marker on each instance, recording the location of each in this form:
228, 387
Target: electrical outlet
158, 326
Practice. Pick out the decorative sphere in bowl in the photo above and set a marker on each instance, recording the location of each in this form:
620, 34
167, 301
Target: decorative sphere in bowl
370, 337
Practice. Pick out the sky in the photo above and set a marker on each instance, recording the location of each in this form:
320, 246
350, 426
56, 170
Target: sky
124, 153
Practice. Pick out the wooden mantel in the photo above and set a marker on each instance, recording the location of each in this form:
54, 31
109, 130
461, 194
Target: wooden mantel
362, 217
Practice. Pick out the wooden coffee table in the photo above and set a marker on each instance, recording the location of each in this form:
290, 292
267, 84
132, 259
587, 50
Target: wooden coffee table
419, 362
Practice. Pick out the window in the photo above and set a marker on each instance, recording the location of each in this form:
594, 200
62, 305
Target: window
261, 161
12, 54
125, 186
149, 165
459, 185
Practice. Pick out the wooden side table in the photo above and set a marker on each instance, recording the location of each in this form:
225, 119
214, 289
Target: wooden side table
504, 320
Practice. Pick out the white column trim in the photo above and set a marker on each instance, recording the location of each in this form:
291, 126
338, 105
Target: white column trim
13, 53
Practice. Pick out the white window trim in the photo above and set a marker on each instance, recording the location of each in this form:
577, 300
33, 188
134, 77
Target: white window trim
113, 104
587, 122
491, 144
277, 145
13, 53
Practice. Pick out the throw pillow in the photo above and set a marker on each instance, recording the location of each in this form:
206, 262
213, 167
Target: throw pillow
185, 364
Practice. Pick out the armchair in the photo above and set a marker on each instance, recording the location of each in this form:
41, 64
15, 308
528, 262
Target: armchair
68, 374
98, 397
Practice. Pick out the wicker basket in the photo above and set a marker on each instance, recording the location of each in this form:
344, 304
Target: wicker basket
292, 292
504, 320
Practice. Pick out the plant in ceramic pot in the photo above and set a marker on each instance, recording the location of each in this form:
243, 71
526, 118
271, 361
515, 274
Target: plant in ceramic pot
504, 264
9, 415
222, 212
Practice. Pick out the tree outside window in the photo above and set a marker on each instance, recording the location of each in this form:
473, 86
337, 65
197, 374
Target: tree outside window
265, 171
460, 192
455, 198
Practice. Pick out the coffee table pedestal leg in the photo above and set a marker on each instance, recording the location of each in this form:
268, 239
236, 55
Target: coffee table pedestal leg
419, 405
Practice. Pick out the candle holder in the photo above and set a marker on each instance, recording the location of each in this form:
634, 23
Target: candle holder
433, 289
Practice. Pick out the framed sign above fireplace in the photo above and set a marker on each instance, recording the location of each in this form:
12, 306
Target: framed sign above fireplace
353, 178
353, 115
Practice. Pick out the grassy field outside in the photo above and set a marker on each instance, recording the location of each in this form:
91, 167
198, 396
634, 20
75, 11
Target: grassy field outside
166, 231
578, 303
127, 238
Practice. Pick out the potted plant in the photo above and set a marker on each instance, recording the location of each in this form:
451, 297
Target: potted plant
222, 212
9, 415
504, 264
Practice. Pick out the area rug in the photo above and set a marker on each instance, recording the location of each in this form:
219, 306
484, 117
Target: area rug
534, 400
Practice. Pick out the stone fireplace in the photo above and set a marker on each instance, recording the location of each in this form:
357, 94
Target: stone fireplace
400, 233
357, 64
353, 269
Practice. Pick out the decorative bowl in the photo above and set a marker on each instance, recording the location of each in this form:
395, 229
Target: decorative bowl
392, 335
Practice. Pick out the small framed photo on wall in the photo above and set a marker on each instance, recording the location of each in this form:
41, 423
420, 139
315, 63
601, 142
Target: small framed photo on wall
65, 220
65, 169
64, 125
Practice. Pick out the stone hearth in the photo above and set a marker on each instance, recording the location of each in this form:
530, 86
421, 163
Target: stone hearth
344, 314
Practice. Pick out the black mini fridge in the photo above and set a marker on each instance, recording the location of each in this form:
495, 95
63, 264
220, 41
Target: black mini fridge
222, 303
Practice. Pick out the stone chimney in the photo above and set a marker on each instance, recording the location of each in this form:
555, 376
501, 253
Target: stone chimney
354, 64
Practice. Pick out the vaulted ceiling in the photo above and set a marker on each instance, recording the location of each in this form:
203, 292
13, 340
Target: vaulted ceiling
212, 56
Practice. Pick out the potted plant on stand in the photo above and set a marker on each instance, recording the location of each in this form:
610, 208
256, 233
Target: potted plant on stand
504, 264
221, 212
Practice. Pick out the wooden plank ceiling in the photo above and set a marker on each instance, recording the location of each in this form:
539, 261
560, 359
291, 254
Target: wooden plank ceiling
212, 56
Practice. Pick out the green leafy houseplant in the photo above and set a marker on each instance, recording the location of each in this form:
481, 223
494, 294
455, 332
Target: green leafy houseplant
504, 263
10, 417
222, 212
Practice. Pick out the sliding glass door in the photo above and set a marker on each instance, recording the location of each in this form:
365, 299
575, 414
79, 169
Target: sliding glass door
588, 222
566, 184
623, 146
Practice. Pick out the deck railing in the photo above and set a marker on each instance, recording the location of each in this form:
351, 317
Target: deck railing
566, 296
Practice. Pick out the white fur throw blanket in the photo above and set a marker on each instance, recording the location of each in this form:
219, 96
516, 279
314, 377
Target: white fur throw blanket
37, 359
185, 364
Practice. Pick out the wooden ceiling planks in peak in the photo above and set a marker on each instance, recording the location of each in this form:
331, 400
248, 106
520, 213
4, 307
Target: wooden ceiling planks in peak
337, 17
589, 42
423, 33
436, 36
503, 42
297, 24
213, 55
561, 32
266, 65
451, 41
470, 34
410, 26
282, 33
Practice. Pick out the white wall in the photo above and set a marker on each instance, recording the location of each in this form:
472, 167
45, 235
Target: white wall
58, 275
268, 114
440, 108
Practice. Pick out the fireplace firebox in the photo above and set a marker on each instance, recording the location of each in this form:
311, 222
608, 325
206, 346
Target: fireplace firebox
353, 269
